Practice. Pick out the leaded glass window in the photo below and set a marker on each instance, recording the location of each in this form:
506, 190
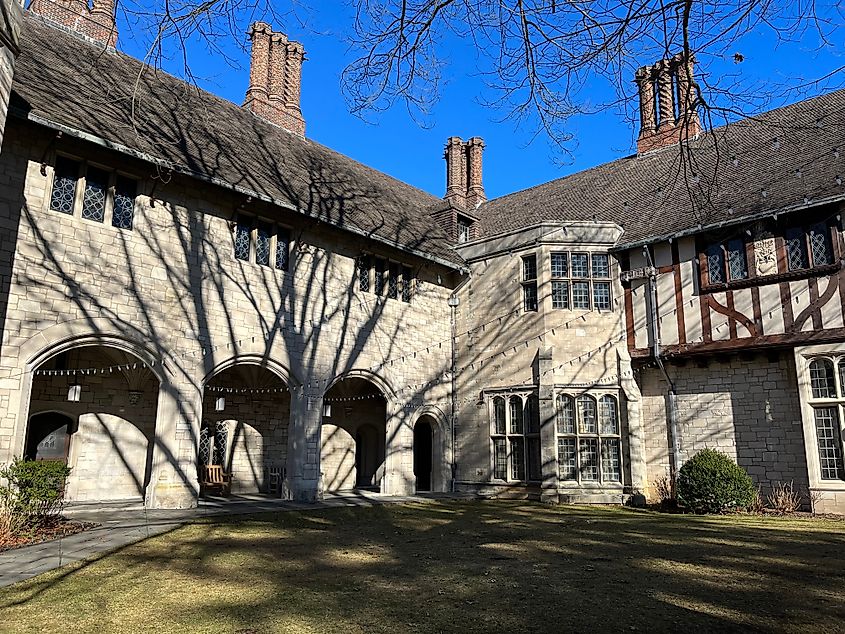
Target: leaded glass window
580, 265
282, 249
463, 229
796, 250
601, 295
242, 240
65, 175
737, 264
515, 431
715, 264
589, 443
560, 294
821, 378
94, 197
262, 244
581, 295
820, 245
529, 296
393, 281
601, 265
364, 273
379, 276
529, 283
529, 268
123, 213
828, 436
560, 265
407, 283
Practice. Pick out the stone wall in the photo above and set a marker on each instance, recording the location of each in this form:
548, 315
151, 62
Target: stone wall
746, 406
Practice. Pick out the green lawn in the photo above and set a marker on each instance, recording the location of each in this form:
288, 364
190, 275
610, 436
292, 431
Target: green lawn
453, 567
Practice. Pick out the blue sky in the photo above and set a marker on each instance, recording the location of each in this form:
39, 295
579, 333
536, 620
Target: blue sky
514, 158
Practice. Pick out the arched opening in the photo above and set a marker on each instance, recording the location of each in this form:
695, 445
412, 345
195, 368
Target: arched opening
245, 420
352, 436
423, 454
94, 406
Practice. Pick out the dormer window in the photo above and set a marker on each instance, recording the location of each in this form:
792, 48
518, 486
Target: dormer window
464, 229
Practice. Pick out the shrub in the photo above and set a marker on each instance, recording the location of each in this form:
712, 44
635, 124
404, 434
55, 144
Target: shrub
710, 482
663, 489
784, 499
34, 491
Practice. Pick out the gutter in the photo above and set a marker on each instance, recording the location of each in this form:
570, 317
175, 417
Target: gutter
671, 394
148, 158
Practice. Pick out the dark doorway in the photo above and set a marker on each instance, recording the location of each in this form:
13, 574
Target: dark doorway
367, 457
423, 455
48, 437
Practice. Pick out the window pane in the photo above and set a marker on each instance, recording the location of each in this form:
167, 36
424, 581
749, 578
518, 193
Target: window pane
94, 198
560, 294
796, 250
610, 469
580, 266
601, 265
64, 185
393, 281
242, 231
737, 266
500, 459
379, 277
560, 265
566, 458
499, 415
565, 414
715, 264
529, 296
517, 458
364, 273
282, 249
516, 415
262, 245
529, 268
463, 230
407, 282
532, 414
820, 245
586, 415
581, 295
821, 379
123, 213
589, 458
608, 415
601, 295
534, 459
828, 437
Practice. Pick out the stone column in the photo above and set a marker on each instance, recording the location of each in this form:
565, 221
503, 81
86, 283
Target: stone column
173, 476
399, 453
302, 481
548, 434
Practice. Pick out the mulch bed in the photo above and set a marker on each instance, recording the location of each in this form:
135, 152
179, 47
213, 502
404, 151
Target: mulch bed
54, 528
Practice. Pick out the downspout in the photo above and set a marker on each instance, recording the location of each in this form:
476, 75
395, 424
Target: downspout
671, 395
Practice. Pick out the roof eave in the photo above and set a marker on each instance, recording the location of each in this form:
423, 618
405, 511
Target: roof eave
149, 158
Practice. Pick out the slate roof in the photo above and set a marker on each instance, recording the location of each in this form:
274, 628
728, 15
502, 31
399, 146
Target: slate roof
789, 153
66, 82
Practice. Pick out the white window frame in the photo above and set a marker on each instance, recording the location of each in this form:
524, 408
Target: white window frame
804, 355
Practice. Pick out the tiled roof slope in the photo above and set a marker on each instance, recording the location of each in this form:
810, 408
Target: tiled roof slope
67, 81
789, 153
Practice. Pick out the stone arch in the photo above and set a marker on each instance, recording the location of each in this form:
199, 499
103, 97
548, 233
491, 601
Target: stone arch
276, 367
376, 379
441, 458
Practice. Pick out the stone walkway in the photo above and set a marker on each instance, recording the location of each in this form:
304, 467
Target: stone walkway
121, 525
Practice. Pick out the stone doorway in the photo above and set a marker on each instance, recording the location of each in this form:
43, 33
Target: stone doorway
423, 454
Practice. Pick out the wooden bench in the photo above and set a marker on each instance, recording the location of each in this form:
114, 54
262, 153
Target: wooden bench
212, 476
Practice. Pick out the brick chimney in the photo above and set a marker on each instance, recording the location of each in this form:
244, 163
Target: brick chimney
667, 104
275, 78
96, 22
464, 187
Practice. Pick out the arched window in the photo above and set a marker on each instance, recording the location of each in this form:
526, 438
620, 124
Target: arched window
498, 415
822, 382
516, 415
516, 438
588, 440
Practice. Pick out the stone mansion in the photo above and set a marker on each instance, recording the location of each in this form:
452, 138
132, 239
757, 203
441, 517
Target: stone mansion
185, 281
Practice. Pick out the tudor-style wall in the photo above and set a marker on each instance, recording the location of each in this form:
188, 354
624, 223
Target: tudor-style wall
546, 352
173, 286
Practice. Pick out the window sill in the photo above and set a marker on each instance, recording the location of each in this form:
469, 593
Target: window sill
819, 271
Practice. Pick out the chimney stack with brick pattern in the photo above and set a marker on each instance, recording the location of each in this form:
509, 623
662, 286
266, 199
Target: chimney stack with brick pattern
464, 187
96, 22
275, 78
667, 104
